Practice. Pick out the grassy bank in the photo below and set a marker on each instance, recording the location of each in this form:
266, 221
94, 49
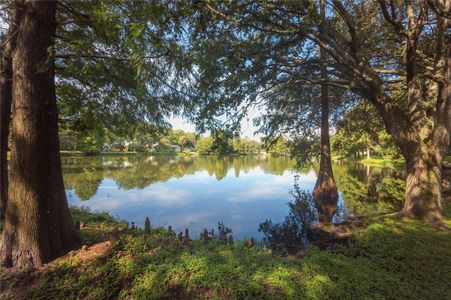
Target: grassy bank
388, 259
373, 162
183, 153
382, 162
81, 153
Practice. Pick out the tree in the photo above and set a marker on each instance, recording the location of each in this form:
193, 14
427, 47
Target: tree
182, 142
325, 190
420, 119
278, 146
379, 51
222, 141
204, 145
8, 45
245, 146
119, 67
38, 226
361, 130
258, 67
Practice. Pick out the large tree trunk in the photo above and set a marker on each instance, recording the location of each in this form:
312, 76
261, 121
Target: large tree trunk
9, 43
424, 157
325, 191
38, 226
423, 185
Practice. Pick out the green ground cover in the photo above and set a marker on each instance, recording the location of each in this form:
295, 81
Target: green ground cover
388, 259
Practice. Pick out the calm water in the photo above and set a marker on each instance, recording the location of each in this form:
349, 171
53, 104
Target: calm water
197, 192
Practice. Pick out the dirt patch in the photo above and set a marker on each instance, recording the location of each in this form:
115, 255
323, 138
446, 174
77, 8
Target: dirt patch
86, 253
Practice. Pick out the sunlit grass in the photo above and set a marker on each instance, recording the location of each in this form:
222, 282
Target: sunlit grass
388, 259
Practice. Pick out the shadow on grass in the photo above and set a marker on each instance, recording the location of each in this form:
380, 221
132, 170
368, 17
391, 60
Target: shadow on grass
389, 259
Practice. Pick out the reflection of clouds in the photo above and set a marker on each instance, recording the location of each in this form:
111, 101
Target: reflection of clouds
188, 218
285, 179
237, 217
310, 176
192, 220
197, 177
161, 195
259, 192
273, 187
255, 171
104, 203
106, 187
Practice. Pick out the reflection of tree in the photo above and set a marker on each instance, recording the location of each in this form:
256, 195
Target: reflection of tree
367, 190
84, 174
289, 236
87, 187
327, 207
221, 167
277, 165
391, 190
84, 183
144, 173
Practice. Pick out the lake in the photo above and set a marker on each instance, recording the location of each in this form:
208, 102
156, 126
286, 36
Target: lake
197, 192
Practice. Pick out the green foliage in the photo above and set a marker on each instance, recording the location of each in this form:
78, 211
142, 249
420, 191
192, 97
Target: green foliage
84, 214
278, 147
222, 143
143, 137
362, 129
119, 65
91, 141
388, 259
204, 145
245, 146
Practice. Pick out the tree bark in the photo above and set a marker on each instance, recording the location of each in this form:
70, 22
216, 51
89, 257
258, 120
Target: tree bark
5, 104
325, 191
424, 156
38, 226
423, 186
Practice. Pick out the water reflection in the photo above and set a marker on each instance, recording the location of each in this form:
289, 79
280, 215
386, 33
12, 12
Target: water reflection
367, 190
197, 192
290, 236
84, 174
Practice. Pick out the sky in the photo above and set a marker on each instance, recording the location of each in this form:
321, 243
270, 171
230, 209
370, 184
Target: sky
247, 125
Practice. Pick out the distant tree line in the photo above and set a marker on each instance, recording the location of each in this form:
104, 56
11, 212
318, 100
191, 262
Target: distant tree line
146, 138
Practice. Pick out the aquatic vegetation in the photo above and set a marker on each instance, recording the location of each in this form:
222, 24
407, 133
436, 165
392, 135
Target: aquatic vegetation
290, 236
